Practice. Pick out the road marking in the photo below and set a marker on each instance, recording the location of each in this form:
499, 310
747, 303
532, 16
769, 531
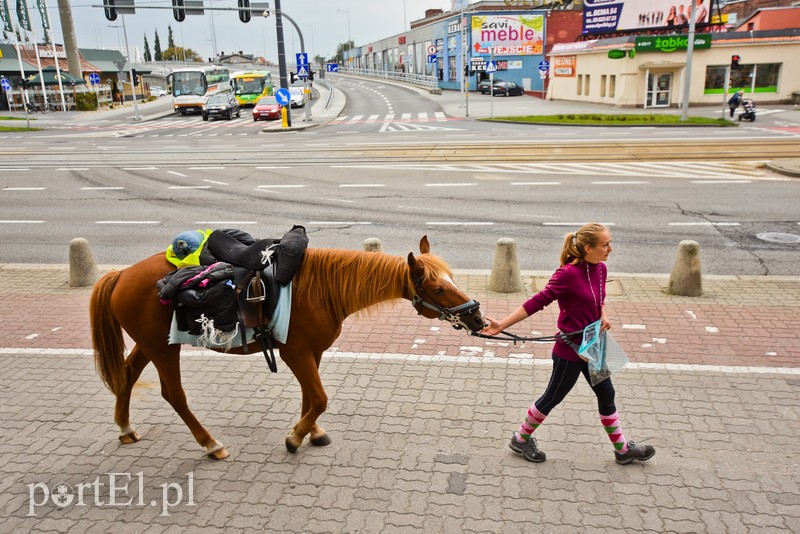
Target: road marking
323, 223
455, 223
232, 223
15, 170
22, 222
127, 222
189, 187
101, 188
139, 168
482, 359
24, 188
177, 174
216, 182
705, 223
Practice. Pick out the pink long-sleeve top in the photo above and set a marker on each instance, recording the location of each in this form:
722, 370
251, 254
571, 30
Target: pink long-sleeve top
580, 292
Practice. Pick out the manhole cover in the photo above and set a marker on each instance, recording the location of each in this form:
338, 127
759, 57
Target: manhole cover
778, 237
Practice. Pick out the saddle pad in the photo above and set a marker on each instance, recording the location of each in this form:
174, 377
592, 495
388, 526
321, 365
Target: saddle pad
278, 325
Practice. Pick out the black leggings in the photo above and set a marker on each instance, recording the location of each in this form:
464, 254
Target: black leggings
565, 375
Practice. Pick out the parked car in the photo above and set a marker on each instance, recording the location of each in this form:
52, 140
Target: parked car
155, 90
507, 89
485, 85
221, 105
267, 108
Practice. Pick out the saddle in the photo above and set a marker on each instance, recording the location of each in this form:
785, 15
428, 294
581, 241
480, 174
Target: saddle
260, 268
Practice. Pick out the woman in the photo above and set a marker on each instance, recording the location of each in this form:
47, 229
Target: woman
579, 287
671, 16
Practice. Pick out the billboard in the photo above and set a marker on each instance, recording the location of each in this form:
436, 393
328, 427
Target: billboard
507, 35
601, 16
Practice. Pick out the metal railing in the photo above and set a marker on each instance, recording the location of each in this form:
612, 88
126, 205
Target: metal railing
418, 80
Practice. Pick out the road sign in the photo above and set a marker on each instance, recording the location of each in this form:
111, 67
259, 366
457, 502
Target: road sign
332, 67
543, 74
302, 59
432, 58
94, 78
302, 71
544, 65
491, 66
283, 96
5, 84
432, 50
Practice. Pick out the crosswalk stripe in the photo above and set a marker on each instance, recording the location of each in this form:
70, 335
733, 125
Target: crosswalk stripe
405, 117
440, 116
423, 117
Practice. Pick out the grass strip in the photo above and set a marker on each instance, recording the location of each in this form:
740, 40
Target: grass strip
18, 129
597, 119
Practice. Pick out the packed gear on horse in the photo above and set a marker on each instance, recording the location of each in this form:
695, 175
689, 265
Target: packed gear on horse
229, 282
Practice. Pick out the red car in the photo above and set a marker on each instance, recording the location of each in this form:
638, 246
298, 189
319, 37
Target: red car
267, 108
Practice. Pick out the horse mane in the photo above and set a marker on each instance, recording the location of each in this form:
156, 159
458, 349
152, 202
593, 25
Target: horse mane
350, 281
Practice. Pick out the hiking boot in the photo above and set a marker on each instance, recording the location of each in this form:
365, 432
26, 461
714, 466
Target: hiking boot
528, 449
639, 453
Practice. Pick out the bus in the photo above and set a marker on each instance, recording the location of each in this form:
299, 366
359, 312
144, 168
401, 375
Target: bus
249, 86
190, 87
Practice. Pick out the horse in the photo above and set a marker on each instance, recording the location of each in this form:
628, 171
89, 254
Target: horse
331, 285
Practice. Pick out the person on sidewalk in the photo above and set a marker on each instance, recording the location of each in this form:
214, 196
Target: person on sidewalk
579, 287
735, 101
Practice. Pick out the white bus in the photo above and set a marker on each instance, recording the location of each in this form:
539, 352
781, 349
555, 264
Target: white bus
190, 87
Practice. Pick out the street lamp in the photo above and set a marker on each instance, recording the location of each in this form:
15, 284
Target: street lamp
347, 11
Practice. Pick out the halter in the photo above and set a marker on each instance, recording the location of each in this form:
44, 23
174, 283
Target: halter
454, 315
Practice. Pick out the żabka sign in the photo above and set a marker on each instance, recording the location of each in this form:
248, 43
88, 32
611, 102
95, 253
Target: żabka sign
508, 35
671, 43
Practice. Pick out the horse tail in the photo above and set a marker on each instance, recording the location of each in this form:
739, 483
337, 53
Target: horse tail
109, 346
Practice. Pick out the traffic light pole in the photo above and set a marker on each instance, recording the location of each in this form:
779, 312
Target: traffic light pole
687, 81
130, 71
282, 74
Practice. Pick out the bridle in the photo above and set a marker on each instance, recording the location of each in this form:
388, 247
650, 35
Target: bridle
454, 315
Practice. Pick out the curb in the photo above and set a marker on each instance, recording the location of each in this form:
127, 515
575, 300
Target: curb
787, 167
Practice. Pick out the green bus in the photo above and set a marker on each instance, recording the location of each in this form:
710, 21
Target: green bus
249, 86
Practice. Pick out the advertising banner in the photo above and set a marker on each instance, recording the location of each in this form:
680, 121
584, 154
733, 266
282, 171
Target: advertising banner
600, 16
42, 5
564, 66
5, 16
22, 15
508, 35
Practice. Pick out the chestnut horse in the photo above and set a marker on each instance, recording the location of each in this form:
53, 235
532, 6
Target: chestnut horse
331, 285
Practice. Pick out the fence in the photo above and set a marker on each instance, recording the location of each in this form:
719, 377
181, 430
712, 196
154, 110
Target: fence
417, 80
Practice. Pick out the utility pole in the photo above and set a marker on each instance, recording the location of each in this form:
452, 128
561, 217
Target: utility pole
688, 77
282, 74
130, 71
70, 42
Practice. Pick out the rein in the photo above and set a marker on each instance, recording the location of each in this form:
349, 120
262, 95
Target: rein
508, 336
452, 315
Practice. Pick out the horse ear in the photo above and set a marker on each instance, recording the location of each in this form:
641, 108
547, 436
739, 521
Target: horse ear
412, 262
424, 245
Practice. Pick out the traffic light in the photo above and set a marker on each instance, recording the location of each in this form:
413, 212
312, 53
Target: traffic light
244, 16
177, 10
135, 77
735, 60
110, 9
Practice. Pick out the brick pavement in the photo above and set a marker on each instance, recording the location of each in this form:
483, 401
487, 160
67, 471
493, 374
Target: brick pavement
420, 415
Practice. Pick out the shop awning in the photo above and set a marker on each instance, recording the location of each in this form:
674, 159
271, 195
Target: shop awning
51, 78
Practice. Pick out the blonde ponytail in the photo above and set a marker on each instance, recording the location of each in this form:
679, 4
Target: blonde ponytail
574, 248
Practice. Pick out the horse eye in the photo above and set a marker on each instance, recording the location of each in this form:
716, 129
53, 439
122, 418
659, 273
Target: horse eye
439, 290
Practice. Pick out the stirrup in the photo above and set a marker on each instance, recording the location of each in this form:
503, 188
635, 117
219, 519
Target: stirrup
261, 296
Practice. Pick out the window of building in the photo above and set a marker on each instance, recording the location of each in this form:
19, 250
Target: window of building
757, 78
580, 84
452, 68
586, 85
612, 85
603, 79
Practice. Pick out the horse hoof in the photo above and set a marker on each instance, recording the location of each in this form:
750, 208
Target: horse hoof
290, 446
130, 437
321, 441
220, 454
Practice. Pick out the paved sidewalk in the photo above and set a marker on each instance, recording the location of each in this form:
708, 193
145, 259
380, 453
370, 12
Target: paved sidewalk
420, 416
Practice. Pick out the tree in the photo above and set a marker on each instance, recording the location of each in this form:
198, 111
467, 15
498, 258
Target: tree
157, 48
177, 53
319, 60
341, 48
147, 55
170, 40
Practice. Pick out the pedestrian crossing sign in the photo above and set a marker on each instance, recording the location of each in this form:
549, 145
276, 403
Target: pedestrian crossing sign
302, 71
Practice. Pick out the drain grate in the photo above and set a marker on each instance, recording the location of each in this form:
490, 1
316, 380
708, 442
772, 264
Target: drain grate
779, 237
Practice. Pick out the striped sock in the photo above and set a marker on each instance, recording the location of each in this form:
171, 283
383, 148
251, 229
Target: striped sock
533, 419
613, 428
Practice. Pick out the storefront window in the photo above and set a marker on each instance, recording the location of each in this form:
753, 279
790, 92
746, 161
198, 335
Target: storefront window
452, 68
759, 78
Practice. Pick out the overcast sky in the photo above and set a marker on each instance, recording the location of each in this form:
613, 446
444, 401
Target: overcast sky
324, 24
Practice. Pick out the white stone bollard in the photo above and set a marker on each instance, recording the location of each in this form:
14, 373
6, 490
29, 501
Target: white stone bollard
82, 267
686, 278
373, 244
505, 277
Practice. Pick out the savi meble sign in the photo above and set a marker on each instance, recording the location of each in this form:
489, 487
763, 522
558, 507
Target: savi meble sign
670, 43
